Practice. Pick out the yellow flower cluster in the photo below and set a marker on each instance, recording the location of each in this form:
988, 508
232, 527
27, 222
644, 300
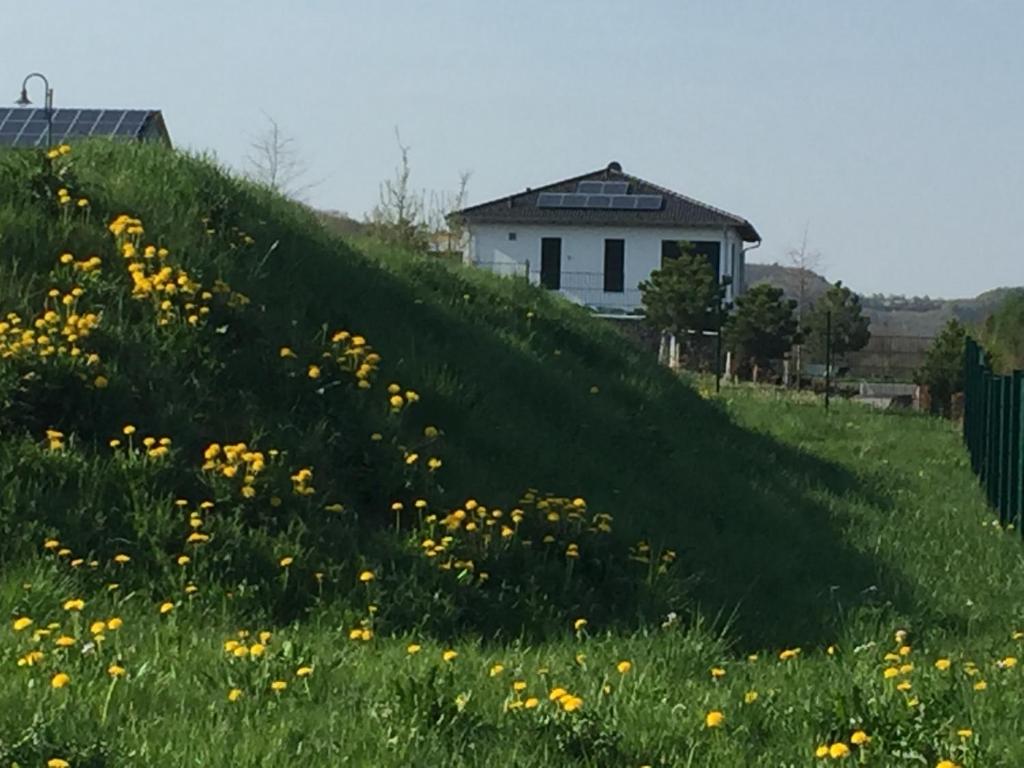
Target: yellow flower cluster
238, 461
195, 524
174, 293
87, 266
58, 151
397, 400
348, 353
472, 532
302, 482
256, 649
58, 331
154, 447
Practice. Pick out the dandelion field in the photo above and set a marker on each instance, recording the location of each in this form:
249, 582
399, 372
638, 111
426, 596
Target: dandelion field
270, 498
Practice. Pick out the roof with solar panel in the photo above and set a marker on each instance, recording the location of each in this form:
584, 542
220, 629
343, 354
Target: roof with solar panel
605, 197
27, 126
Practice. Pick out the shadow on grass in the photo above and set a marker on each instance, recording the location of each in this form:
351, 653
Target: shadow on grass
753, 519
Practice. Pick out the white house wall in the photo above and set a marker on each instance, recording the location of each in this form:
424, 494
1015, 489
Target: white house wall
491, 247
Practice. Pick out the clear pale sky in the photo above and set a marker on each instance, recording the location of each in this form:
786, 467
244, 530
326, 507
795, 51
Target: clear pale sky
894, 130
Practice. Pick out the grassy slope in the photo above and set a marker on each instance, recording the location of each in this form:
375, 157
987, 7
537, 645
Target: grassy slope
793, 528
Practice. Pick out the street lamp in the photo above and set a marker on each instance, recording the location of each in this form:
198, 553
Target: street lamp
23, 101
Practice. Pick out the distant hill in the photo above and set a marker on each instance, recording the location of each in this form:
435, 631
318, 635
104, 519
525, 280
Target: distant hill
890, 315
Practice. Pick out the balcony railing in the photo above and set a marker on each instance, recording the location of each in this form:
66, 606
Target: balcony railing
585, 288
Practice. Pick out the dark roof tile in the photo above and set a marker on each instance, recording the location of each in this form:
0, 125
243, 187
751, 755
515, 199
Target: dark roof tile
678, 210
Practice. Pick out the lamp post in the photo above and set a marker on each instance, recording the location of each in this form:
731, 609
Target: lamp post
23, 101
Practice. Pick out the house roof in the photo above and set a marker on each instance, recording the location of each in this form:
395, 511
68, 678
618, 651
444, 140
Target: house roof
676, 210
26, 126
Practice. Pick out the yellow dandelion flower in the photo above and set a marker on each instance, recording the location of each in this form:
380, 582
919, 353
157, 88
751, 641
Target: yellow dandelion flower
496, 670
838, 750
714, 719
60, 680
122, 558
304, 672
965, 733
116, 670
750, 697
278, 685
624, 666
449, 655
114, 623
166, 607
942, 664
413, 648
717, 672
234, 694
64, 641
23, 622
57, 762
286, 561
75, 604
859, 738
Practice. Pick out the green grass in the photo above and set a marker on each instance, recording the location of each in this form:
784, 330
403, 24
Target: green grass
790, 528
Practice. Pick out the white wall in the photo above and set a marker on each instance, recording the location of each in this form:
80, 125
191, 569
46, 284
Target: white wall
490, 247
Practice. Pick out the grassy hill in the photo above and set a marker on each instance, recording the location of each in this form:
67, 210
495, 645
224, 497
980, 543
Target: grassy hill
267, 497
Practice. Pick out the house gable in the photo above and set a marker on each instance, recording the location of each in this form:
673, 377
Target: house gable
675, 211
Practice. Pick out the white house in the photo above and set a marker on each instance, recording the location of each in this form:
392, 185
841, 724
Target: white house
595, 237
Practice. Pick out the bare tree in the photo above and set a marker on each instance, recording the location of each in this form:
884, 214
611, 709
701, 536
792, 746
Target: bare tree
274, 162
399, 216
805, 262
446, 228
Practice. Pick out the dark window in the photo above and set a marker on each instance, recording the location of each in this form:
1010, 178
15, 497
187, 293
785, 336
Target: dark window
551, 262
709, 249
614, 266
511, 235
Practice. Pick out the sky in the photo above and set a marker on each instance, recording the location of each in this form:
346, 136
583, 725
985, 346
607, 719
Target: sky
890, 131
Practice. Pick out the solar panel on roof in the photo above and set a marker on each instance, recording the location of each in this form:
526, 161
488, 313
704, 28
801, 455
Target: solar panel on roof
131, 124
549, 200
590, 187
599, 201
26, 127
574, 200
648, 202
627, 202
616, 187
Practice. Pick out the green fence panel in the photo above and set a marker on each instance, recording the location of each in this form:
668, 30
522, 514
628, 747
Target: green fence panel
1017, 453
993, 433
1003, 456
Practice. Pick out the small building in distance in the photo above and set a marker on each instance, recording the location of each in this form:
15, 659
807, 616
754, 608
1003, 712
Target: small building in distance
594, 238
26, 126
